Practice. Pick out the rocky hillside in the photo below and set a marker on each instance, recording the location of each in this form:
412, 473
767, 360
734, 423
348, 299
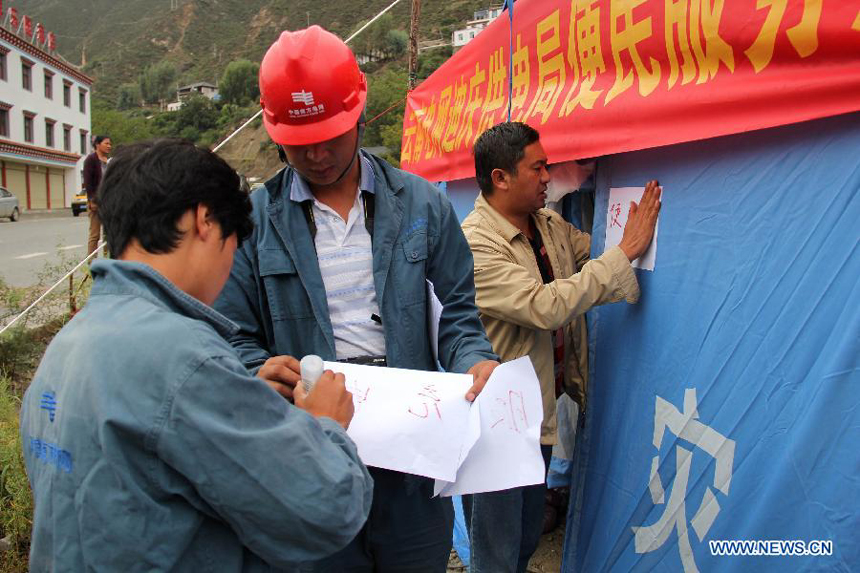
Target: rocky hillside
253, 154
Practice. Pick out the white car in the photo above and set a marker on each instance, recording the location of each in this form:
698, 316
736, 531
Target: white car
8, 205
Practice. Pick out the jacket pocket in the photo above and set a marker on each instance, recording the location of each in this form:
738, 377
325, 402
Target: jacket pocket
410, 269
284, 291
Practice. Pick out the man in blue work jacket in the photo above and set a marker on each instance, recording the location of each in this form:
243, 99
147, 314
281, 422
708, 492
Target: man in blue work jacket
148, 444
338, 266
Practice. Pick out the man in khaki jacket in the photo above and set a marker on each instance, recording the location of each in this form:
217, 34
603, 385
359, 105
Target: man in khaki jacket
534, 282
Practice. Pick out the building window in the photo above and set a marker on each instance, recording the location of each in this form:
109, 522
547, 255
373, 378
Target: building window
2, 65
84, 147
67, 138
82, 100
27, 75
49, 133
49, 85
28, 127
4, 123
67, 93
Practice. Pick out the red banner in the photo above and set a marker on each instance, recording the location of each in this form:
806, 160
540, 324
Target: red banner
606, 76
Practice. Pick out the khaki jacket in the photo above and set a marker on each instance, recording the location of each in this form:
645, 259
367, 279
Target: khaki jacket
520, 312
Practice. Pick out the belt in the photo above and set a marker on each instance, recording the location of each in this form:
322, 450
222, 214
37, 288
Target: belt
365, 360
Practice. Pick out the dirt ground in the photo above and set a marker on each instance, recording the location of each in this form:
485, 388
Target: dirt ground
547, 558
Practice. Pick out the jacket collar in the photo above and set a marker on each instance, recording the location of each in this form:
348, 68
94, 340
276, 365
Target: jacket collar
384, 178
112, 276
299, 190
502, 226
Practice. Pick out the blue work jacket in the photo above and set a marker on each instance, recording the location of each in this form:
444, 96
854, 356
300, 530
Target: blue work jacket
149, 446
276, 293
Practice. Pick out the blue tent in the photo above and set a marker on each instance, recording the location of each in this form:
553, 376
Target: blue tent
746, 337
725, 406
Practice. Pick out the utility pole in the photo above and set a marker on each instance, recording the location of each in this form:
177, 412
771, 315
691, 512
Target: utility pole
413, 44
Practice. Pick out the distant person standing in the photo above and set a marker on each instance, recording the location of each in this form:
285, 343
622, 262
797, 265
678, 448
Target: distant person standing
94, 166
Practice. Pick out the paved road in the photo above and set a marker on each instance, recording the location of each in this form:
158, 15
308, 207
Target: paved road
40, 240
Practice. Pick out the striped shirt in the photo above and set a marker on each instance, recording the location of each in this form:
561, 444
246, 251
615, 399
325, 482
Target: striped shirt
346, 264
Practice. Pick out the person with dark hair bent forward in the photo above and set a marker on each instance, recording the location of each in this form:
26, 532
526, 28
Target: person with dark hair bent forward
148, 444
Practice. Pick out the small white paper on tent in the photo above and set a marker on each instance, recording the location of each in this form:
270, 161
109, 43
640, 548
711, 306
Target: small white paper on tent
616, 218
507, 453
410, 421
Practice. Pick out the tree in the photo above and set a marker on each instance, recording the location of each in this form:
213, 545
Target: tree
156, 82
391, 136
197, 112
239, 84
129, 97
429, 61
386, 90
121, 127
396, 42
376, 34
381, 41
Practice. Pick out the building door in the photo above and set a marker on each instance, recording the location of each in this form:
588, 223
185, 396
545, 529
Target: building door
38, 187
16, 182
58, 192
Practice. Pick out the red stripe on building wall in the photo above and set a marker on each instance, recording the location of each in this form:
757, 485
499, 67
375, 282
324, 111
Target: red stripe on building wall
27, 179
48, 184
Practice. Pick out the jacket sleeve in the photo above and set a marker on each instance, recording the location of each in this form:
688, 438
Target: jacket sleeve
462, 339
240, 302
90, 177
507, 291
291, 486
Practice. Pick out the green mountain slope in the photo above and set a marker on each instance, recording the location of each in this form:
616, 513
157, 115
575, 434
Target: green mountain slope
114, 41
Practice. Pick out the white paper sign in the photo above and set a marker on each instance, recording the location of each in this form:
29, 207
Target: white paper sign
507, 454
410, 421
435, 315
616, 218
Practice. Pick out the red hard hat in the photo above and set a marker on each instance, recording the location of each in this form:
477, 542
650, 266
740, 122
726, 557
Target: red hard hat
311, 88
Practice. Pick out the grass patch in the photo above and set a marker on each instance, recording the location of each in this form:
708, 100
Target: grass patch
21, 349
16, 502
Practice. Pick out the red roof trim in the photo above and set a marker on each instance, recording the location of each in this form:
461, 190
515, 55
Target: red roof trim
38, 152
26, 46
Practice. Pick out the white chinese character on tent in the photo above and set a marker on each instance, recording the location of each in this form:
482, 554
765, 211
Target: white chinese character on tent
685, 426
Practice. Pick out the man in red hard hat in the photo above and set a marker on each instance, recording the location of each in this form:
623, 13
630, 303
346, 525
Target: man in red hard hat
338, 265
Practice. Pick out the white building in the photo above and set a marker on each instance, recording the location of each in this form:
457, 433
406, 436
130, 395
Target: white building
198, 88
44, 116
481, 20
